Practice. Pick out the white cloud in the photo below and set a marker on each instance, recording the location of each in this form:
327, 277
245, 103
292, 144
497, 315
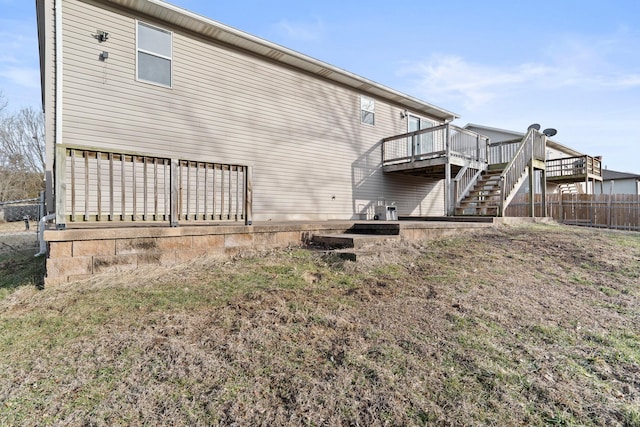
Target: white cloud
304, 31
450, 78
21, 76
19, 72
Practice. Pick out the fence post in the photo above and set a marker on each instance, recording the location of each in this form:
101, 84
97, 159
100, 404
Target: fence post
248, 195
609, 210
173, 217
60, 162
560, 207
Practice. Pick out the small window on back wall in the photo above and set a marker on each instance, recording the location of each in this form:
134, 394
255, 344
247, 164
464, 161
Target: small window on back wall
154, 54
367, 110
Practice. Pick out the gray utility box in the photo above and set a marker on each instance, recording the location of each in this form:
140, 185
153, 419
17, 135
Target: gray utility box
386, 213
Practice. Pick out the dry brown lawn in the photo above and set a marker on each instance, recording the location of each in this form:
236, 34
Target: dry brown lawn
526, 325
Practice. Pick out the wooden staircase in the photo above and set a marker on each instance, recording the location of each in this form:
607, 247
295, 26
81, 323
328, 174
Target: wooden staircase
484, 198
496, 187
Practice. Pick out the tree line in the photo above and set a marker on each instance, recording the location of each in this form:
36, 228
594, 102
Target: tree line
22, 153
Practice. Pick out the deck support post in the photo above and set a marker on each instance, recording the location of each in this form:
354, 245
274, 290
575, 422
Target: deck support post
543, 184
532, 206
448, 187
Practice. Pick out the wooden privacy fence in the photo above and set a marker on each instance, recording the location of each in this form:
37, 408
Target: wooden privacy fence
99, 186
618, 211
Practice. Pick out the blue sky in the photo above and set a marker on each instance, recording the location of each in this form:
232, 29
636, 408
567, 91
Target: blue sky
569, 64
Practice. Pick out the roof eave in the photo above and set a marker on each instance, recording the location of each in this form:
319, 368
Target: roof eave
40, 19
217, 31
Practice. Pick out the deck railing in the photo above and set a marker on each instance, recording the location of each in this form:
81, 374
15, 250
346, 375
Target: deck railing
463, 181
580, 166
503, 152
437, 141
99, 186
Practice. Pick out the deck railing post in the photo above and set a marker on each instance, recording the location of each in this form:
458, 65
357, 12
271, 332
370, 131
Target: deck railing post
60, 162
248, 195
502, 196
413, 148
174, 194
447, 172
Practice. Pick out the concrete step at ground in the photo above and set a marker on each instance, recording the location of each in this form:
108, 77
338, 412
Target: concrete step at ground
353, 240
376, 227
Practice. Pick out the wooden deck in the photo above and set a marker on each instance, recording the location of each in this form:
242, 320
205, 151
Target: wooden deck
428, 152
574, 169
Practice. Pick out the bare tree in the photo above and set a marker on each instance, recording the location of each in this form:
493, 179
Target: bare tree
22, 160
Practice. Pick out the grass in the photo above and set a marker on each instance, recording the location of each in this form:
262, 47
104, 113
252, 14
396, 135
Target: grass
544, 331
20, 268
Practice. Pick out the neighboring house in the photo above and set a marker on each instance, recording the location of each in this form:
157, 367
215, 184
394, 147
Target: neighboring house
146, 104
614, 182
567, 170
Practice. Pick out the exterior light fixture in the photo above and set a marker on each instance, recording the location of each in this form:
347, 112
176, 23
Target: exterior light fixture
102, 36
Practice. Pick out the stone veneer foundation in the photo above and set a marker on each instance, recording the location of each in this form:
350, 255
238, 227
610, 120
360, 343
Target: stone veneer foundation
76, 254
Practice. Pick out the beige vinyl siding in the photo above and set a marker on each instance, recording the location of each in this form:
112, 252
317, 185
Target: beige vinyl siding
407, 192
553, 154
312, 157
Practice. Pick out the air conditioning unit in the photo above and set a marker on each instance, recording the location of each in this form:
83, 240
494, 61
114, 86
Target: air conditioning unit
386, 213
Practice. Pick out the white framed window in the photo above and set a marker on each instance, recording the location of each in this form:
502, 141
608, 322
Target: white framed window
154, 53
367, 110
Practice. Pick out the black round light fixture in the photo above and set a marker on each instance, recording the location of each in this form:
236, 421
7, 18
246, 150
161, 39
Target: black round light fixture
550, 132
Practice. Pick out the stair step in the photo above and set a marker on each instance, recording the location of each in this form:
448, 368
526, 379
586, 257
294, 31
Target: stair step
474, 204
349, 240
376, 228
484, 189
484, 198
481, 193
488, 182
485, 211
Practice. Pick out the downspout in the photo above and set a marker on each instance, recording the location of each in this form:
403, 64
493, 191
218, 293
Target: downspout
41, 224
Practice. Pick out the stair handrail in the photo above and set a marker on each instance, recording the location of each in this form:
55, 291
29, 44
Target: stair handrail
471, 181
515, 168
